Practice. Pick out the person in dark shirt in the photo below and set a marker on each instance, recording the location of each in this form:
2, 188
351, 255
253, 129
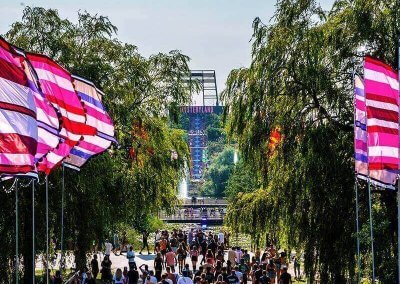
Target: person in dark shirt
94, 264
244, 269
224, 274
264, 278
209, 275
90, 279
285, 277
232, 278
258, 274
212, 246
133, 275
58, 278
145, 242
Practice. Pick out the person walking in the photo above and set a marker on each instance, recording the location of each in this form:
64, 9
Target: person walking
296, 267
181, 256
232, 255
271, 270
285, 277
163, 247
130, 255
106, 275
116, 243
158, 265
94, 264
194, 254
145, 237
108, 247
232, 278
170, 258
133, 275
244, 269
124, 243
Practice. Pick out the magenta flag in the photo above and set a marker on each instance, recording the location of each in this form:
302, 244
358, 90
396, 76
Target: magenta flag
360, 130
56, 85
382, 107
97, 117
47, 120
18, 126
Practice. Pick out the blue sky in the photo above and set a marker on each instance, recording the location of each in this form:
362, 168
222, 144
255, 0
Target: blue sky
215, 34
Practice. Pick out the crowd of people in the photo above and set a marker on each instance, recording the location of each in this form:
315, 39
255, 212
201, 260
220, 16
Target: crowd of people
194, 257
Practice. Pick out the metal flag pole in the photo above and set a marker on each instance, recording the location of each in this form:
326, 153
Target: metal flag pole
16, 234
33, 231
358, 235
371, 229
47, 229
62, 219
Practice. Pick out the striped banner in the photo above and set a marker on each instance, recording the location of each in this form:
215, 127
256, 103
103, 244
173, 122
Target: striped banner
47, 120
360, 130
18, 126
97, 117
56, 85
382, 106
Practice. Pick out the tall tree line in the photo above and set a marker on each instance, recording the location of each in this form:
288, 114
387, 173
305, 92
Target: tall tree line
300, 81
133, 180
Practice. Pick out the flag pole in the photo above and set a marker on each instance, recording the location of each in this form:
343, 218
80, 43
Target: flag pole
47, 229
371, 229
358, 235
62, 219
16, 234
33, 231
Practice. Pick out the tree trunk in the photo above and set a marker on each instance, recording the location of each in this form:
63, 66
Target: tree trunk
83, 234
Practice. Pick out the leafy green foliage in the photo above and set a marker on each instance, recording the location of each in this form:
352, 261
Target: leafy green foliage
218, 173
300, 80
132, 182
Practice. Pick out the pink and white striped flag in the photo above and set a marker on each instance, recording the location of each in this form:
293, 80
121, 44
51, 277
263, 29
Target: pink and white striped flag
56, 85
97, 117
382, 106
18, 126
47, 120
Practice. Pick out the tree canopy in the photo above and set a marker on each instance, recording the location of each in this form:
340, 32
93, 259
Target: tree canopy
135, 179
300, 80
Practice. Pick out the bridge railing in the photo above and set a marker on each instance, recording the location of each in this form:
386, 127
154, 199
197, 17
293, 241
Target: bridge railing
192, 215
205, 201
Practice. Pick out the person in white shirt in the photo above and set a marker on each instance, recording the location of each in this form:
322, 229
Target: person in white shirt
157, 239
239, 254
108, 247
221, 237
185, 279
118, 277
150, 278
130, 255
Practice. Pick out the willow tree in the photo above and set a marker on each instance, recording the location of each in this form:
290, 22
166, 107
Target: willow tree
300, 81
137, 177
